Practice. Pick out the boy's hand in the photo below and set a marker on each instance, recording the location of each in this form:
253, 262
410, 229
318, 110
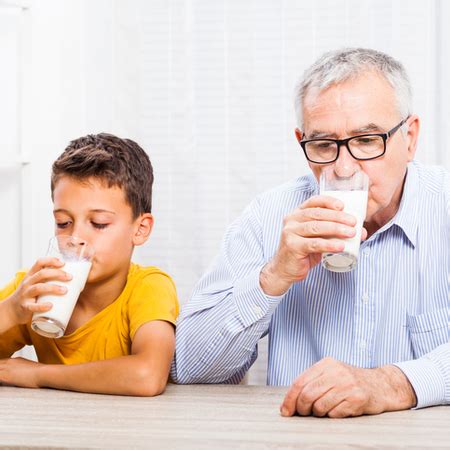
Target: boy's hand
19, 372
23, 302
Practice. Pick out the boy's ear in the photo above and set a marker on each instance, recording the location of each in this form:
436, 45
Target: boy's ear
144, 225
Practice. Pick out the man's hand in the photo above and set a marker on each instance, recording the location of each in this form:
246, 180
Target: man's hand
19, 372
316, 227
334, 389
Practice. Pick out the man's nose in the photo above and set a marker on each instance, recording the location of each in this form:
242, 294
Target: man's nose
345, 165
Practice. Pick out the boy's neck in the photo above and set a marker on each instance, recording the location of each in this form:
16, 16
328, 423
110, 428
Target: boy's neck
97, 296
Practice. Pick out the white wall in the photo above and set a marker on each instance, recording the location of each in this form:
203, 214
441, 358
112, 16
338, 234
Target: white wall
10, 155
205, 86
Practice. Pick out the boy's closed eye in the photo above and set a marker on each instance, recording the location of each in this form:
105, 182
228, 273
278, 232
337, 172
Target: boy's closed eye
99, 226
63, 225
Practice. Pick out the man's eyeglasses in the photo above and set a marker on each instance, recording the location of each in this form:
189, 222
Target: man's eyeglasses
363, 147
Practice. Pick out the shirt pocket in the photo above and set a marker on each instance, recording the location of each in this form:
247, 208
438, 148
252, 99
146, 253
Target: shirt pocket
428, 331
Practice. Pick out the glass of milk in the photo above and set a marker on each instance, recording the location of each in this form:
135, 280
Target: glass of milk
352, 191
77, 255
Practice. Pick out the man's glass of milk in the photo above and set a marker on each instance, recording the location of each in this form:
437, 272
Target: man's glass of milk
352, 191
77, 255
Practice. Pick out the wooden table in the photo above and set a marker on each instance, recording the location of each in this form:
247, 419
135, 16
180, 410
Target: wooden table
201, 417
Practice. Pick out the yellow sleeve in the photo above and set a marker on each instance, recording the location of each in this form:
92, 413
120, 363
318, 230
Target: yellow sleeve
154, 297
16, 337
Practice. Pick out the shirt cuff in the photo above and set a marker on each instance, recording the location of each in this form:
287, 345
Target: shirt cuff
252, 303
427, 381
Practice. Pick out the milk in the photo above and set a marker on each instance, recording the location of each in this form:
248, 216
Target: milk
355, 204
54, 322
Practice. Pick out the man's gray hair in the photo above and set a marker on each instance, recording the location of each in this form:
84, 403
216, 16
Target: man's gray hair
340, 65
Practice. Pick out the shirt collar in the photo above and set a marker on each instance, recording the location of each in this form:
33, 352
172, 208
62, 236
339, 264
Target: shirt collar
406, 217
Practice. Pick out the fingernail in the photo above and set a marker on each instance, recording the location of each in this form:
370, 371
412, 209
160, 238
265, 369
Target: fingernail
284, 411
62, 289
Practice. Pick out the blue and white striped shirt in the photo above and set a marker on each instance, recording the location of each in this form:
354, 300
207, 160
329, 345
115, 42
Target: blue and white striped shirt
392, 309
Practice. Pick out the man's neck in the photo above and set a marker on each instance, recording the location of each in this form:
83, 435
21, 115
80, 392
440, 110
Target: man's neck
383, 216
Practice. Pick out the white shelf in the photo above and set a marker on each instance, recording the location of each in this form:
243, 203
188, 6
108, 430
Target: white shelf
24, 4
13, 164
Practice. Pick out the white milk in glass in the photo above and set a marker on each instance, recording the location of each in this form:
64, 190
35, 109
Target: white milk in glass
51, 323
355, 203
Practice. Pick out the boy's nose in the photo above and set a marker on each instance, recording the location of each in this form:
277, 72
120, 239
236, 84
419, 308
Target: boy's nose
78, 232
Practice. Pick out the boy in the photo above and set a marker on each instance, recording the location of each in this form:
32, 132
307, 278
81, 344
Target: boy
120, 338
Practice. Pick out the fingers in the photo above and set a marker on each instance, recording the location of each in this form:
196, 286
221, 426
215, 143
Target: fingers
326, 208
33, 307
326, 401
48, 261
330, 388
289, 405
299, 245
342, 409
49, 274
37, 283
317, 396
318, 217
302, 214
317, 228
364, 234
36, 290
323, 201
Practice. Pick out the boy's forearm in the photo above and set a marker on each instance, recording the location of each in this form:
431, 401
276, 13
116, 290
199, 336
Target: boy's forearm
127, 375
7, 316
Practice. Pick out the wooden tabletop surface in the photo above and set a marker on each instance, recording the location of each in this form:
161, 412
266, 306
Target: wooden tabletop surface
202, 417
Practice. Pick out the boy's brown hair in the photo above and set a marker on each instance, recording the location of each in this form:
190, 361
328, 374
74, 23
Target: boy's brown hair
112, 160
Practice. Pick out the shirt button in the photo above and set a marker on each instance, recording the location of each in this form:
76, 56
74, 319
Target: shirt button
362, 344
366, 251
257, 310
365, 298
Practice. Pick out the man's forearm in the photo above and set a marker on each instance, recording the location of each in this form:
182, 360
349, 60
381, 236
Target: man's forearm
127, 375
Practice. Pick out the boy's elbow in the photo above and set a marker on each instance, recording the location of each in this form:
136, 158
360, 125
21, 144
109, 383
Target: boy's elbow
149, 384
151, 389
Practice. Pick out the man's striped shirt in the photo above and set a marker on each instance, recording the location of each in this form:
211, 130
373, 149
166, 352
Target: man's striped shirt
392, 309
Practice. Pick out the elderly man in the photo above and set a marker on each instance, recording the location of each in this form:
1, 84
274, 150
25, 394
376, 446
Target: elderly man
362, 342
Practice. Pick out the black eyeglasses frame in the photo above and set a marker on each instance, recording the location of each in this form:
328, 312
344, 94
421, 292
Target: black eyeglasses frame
340, 142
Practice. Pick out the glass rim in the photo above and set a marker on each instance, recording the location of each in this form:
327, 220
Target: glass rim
57, 244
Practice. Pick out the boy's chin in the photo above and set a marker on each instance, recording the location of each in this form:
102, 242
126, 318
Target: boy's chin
95, 276
92, 277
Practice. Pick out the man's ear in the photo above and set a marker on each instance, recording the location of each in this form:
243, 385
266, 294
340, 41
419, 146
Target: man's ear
412, 135
143, 228
298, 135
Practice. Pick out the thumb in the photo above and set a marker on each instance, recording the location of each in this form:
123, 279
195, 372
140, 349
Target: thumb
364, 234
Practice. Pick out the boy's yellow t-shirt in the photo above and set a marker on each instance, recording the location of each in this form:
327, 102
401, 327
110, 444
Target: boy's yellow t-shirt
149, 294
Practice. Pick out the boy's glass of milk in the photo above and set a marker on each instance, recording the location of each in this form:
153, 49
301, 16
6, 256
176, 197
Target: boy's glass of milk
352, 191
77, 255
